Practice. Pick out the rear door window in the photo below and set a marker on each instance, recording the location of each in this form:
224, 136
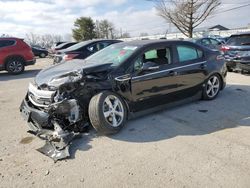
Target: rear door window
188, 53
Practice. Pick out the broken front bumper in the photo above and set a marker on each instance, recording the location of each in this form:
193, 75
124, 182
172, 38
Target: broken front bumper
36, 119
57, 140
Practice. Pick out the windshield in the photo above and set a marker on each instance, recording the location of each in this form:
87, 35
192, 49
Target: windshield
114, 55
78, 45
239, 40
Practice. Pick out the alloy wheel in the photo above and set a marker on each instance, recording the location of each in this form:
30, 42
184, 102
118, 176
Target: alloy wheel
15, 66
113, 110
213, 86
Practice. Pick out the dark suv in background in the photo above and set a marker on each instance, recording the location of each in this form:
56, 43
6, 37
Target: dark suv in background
83, 49
15, 54
237, 52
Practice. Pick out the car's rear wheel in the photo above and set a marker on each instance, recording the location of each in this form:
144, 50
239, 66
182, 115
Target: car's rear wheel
212, 87
42, 55
107, 112
15, 65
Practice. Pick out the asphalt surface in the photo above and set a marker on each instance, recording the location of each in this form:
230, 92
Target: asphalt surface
201, 144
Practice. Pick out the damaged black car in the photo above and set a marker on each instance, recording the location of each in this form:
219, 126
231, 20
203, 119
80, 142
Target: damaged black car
123, 80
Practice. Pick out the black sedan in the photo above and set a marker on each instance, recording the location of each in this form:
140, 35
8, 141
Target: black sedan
121, 81
82, 50
41, 52
61, 46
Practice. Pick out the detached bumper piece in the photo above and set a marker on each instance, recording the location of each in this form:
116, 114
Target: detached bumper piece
57, 150
57, 140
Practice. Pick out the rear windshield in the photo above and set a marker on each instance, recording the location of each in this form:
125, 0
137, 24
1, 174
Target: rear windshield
78, 45
239, 40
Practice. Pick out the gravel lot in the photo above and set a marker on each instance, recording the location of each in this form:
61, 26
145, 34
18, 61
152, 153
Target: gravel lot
203, 144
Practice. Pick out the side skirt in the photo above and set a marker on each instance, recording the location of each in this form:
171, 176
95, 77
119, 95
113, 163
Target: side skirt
196, 97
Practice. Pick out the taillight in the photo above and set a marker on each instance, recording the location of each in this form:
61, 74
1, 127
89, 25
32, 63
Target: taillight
69, 56
224, 48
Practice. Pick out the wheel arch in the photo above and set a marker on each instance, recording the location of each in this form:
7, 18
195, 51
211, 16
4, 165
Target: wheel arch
125, 101
12, 57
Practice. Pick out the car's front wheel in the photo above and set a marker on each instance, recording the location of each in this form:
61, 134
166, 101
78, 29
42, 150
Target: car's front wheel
107, 112
15, 65
212, 87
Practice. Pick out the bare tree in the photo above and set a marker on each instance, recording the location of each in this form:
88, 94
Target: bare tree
143, 34
46, 40
186, 14
126, 35
32, 39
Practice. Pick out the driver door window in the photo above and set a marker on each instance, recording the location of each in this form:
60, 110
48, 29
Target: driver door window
152, 59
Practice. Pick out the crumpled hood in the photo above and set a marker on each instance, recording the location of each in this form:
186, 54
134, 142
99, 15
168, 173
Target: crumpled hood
44, 76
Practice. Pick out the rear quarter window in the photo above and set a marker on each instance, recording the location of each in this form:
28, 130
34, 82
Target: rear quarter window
188, 53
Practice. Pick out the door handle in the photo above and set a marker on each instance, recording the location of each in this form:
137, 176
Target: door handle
173, 73
153, 68
123, 78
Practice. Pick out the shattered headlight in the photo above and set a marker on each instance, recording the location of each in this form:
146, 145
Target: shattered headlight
69, 77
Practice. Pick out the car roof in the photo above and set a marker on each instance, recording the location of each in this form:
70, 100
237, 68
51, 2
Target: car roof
99, 40
239, 34
152, 42
10, 38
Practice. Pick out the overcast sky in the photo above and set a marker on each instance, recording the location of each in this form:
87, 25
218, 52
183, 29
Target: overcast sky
18, 17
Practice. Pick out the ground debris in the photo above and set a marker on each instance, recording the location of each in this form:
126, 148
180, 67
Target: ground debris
47, 173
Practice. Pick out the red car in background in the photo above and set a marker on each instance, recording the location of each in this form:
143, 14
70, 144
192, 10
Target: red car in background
15, 54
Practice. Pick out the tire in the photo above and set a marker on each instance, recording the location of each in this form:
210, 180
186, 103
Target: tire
212, 87
42, 55
102, 113
15, 65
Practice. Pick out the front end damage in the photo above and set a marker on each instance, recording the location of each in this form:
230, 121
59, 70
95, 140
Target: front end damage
53, 114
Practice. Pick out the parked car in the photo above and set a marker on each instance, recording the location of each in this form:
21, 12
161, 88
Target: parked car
83, 49
37, 46
58, 43
237, 52
41, 52
123, 80
62, 46
208, 42
15, 54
